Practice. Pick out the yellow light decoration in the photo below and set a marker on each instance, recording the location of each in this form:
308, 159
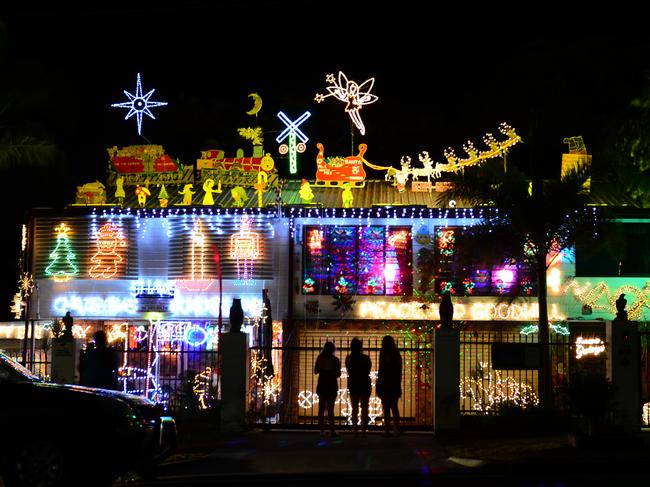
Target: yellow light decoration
257, 104
17, 306
245, 249
201, 387
600, 297
589, 346
270, 385
490, 390
475, 310
252, 134
260, 187
116, 332
208, 199
23, 240
26, 283
142, 192
646, 414
107, 260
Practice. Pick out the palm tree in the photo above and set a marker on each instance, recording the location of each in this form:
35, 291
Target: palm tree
535, 221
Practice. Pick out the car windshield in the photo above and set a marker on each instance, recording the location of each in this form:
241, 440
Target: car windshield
10, 365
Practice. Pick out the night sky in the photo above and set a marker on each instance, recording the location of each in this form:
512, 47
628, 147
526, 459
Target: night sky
442, 76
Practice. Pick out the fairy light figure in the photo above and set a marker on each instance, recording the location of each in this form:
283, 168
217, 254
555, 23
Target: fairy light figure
355, 96
244, 249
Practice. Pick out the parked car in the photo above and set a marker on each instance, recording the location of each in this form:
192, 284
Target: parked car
65, 435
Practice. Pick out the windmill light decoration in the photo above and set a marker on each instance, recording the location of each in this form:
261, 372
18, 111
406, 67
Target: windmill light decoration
355, 96
291, 132
139, 104
245, 249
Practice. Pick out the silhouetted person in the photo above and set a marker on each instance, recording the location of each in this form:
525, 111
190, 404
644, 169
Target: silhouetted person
328, 369
99, 364
446, 311
236, 316
68, 322
389, 382
358, 365
621, 313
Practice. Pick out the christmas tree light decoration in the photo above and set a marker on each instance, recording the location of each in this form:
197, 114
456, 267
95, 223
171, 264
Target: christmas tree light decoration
589, 346
291, 132
57, 270
353, 94
245, 249
139, 104
107, 260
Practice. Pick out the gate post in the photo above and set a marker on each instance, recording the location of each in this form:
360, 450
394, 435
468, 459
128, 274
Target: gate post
624, 371
65, 360
446, 379
234, 381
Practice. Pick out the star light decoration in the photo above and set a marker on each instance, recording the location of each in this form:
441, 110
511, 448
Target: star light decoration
354, 94
139, 104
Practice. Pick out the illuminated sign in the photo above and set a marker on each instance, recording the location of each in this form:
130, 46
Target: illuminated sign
153, 288
205, 306
477, 311
589, 346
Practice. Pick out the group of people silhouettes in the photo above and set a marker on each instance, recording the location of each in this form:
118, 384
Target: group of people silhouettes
358, 365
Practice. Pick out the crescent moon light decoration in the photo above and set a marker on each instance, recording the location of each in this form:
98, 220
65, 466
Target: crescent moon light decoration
257, 104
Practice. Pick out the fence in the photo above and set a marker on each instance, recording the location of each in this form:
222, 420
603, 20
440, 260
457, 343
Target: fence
295, 402
485, 390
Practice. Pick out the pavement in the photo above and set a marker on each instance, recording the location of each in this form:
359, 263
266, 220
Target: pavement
290, 457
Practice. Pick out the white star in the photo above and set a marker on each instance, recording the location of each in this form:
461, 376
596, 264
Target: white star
139, 104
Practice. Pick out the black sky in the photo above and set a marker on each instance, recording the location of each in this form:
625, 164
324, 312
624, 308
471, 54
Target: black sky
443, 76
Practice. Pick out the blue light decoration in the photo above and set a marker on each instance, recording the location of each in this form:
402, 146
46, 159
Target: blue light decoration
139, 104
292, 131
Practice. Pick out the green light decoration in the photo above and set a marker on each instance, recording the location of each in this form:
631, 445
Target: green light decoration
57, 270
558, 328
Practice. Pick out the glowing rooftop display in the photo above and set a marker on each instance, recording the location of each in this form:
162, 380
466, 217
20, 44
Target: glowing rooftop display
353, 94
139, 104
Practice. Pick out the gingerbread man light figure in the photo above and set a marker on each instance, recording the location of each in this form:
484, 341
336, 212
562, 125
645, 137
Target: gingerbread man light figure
107, 259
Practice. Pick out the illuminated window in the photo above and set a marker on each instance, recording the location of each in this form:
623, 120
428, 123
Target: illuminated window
365, 260
465, 266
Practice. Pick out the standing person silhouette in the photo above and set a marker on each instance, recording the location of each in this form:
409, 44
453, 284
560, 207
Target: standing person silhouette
358, 365
389, 382
99, 364
328, 369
